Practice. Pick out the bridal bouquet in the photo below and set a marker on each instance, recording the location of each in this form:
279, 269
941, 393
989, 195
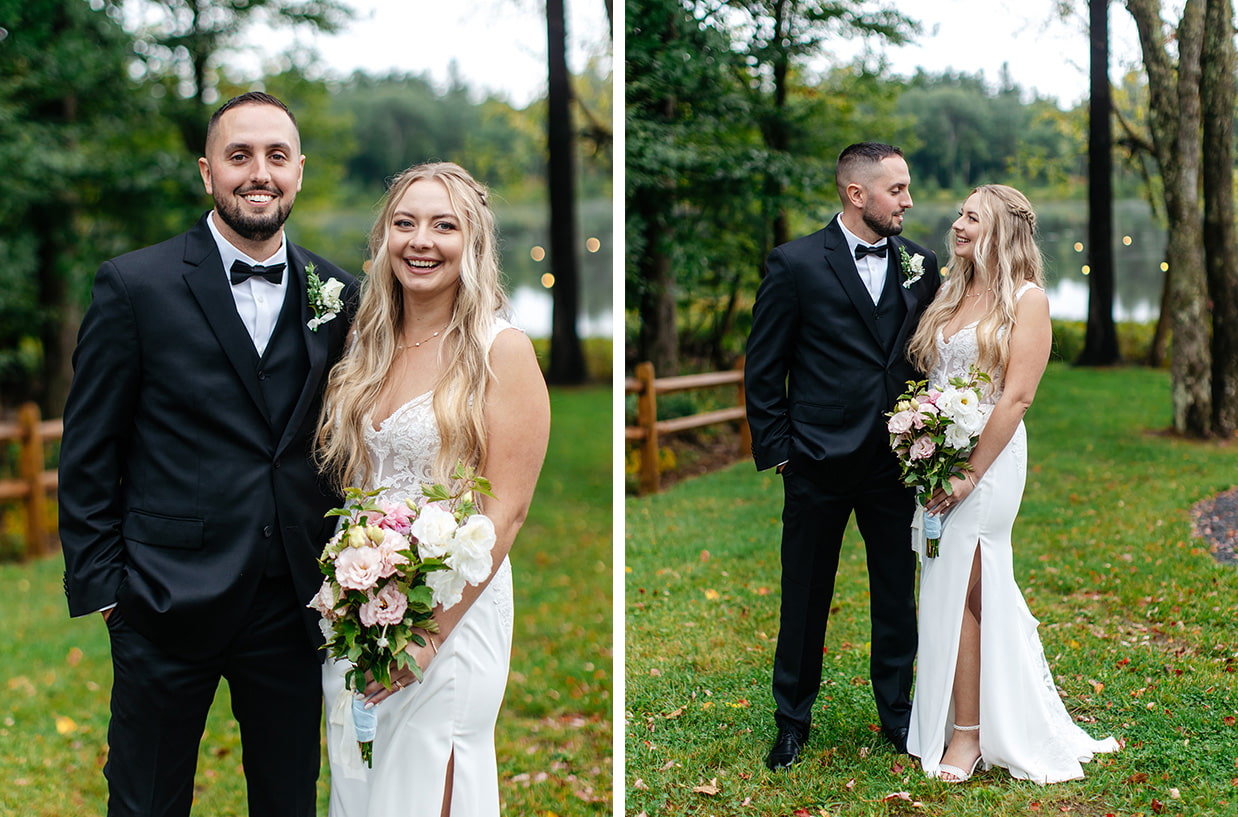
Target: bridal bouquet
933, 430
386, 568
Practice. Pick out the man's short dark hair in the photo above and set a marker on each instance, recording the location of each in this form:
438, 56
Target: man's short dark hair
861, 153
247, 98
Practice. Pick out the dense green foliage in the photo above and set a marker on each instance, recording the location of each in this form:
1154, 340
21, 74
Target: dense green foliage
735, 114
96, 124
1137, 619
554, 733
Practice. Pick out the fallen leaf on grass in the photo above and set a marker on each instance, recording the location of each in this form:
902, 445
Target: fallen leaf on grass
674, 714
1157, 806
75, 656
712, 595
1174, 794
710, 788
901, 795
850, 784
670, 764
704, 555
1229, 720
1138, 777
640, 785
65, 725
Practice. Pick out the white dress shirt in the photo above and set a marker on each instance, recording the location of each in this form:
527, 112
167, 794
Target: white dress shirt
258, 301
872, 268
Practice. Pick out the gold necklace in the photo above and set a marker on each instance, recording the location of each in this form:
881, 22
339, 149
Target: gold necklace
400, 347
977, 294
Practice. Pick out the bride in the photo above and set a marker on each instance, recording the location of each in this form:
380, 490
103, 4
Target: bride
984, 695
434, 376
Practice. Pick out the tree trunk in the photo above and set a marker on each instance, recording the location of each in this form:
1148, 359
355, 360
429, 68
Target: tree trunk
1174, 118
1217, 89
659, 340
1100, 347
567, 361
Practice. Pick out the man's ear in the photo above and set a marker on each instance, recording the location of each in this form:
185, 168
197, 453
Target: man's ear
856, 195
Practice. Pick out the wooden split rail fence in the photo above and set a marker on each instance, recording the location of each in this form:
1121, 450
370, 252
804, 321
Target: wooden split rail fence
33, 483
649, 428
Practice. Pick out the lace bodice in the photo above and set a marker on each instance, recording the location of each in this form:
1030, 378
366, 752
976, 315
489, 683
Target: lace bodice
404, 446
957, 354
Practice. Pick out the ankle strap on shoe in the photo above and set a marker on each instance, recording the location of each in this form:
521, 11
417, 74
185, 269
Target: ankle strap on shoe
958, 728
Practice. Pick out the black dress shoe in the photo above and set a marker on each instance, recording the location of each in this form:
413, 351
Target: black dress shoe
898, 738
786, 749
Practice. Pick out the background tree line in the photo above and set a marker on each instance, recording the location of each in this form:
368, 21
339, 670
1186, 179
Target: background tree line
731, 141
101, 124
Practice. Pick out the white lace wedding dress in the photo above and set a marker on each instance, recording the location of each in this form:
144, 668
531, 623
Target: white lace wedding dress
1024, 727
452, 712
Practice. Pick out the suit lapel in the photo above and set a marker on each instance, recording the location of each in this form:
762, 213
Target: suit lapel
909, 299
315, 346
840, 260
206, 280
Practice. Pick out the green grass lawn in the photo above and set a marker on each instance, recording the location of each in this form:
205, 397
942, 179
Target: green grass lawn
1138, 621
554, 735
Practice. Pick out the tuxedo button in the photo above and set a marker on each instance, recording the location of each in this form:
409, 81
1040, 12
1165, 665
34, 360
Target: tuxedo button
267, 530
262, 375
275, 464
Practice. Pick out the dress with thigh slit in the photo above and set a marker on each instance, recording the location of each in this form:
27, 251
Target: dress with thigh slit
451, 714
1024, 727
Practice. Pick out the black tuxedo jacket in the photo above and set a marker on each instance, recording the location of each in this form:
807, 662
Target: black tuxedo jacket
174, 484
817, 376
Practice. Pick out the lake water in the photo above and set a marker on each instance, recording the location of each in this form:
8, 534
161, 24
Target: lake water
1138, 251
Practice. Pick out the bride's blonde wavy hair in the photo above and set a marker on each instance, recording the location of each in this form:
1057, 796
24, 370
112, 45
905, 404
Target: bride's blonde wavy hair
355, 383
1007, 252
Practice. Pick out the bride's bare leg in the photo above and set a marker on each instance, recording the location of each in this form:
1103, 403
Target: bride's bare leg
964, 747
451, 763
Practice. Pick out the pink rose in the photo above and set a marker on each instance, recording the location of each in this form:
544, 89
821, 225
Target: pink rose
385, 607
902, 422
922, 448
359, 568
324, 601
396, 517
389, 550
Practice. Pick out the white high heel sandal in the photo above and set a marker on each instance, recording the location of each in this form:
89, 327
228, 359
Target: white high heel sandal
960, 775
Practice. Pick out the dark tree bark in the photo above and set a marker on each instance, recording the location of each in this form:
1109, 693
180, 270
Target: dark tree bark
1100, 347
1175, 123
567, 360
1217, 89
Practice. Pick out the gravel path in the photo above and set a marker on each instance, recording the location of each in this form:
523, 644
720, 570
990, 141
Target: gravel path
1216, 520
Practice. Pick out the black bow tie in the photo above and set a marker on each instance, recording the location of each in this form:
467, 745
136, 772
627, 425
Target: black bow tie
862, 250
242, 272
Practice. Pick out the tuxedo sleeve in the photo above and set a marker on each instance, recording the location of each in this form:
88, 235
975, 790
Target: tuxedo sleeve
98, 418
775, 324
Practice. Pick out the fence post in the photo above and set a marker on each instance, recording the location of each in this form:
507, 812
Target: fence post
31, 468
647, 419
745, 433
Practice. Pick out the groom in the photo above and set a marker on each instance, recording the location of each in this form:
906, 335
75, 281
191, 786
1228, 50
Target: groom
825, 360
191, 513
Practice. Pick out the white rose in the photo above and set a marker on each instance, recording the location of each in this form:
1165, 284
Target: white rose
470, 548
433, 528
333, 287
446, 587
957, 437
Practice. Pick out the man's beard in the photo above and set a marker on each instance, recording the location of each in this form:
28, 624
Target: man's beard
883, 227
251, 227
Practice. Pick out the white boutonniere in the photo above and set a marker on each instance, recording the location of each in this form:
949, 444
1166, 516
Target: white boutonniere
912, 265
324, 298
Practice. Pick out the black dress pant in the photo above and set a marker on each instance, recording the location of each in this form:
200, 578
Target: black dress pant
815, 515
160, 704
